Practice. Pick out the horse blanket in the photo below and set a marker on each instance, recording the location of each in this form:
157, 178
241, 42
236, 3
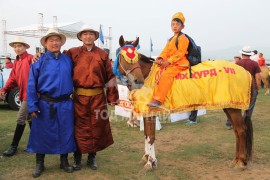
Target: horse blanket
212, 85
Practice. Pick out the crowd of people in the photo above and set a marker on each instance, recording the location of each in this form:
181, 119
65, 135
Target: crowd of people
63, 95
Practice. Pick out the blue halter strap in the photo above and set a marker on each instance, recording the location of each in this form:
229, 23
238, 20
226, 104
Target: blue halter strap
116, 65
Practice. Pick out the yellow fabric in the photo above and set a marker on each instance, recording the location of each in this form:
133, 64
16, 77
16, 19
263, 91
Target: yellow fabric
88, 92
180, 16
172, 54
214, 85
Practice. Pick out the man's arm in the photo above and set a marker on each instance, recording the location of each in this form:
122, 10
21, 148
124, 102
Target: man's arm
258, 80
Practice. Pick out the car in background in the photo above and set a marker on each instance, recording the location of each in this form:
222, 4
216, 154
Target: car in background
12, 97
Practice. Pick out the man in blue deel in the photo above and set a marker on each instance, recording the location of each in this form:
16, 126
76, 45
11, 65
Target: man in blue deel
49, 103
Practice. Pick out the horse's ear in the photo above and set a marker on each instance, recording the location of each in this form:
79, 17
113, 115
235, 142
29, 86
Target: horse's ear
136, 42
121, 41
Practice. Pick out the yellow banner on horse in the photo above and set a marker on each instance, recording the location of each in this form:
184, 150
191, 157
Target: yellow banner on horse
213, 85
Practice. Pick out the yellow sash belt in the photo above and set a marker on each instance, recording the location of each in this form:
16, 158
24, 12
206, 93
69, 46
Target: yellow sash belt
88, 92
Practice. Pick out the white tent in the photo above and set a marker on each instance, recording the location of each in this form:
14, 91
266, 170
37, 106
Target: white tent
70, 29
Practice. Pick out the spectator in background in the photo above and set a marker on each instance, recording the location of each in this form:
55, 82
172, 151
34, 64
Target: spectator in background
8, 62
254, 69
261, 60
255, 56
192, 117
237, 58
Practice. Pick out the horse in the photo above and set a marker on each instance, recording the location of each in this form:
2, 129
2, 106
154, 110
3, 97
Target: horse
265, 78
134, 74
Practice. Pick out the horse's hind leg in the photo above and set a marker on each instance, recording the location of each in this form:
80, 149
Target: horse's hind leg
240, 130
236, 156
149, 132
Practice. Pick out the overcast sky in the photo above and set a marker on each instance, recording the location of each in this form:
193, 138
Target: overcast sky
213, 24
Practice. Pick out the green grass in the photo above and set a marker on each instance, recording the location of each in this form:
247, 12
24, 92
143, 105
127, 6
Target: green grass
184, 152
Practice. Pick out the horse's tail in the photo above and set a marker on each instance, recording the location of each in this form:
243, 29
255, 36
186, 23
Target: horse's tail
249, 139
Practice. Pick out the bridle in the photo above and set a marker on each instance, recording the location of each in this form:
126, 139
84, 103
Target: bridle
124, 77
128, 71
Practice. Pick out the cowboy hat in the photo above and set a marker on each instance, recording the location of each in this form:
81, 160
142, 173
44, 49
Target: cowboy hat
87, 28
179, 15
19, 40
52, 32
246, 51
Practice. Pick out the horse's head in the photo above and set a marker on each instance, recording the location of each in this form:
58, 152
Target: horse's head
128, 63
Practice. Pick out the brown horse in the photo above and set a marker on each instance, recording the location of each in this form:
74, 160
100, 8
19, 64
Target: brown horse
265, 78
136, 73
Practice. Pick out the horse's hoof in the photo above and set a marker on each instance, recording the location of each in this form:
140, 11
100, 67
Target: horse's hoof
148, 167
232, 163
154, 164
144, 158
240, 166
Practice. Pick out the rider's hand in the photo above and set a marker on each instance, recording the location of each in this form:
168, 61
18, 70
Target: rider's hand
36, 57
165, 64
159, 60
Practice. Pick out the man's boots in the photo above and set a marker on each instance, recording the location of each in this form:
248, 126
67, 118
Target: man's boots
91, 162
30, 124
77, 160
39, 165
16, 139
64, 163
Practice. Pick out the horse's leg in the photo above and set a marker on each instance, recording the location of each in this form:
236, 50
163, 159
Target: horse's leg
236, 156
146, 152
240, 129
149, 131
266, 85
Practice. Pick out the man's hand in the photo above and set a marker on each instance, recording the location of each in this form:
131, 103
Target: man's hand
114, 103
36, 57
2, 94
34, 114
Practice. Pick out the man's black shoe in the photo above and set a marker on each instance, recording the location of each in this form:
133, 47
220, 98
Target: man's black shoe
10, 151
91, 162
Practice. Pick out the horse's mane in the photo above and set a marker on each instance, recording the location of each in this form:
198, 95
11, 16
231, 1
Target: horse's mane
146, 59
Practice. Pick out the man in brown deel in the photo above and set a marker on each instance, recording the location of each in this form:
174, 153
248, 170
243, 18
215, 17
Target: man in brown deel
92, 72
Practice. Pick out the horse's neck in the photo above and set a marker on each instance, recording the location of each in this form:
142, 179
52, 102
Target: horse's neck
146, 64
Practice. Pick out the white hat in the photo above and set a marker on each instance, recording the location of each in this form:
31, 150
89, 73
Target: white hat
19, 40
87, 28
52, 32
246, 51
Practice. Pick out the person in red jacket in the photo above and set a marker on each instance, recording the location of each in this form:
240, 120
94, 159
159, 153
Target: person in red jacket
8, 62
261, 60
19, 77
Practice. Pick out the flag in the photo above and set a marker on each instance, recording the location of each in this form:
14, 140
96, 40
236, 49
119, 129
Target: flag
101, 37
151, 45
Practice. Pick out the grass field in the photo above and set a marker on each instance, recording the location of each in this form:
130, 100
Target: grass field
198, 151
